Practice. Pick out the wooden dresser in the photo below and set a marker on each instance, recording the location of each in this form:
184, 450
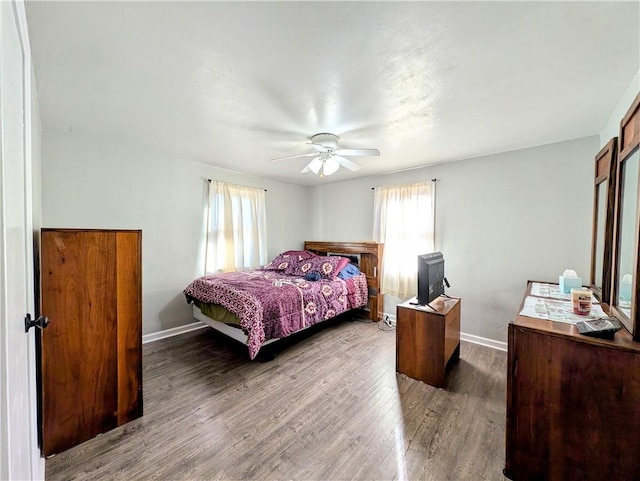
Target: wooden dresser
91, 352
573, 403
370, 264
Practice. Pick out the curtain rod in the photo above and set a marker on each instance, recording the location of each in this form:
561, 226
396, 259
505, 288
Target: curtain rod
432, 180
433, 213
209, 180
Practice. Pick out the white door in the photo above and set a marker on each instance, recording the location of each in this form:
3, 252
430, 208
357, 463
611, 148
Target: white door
19, 454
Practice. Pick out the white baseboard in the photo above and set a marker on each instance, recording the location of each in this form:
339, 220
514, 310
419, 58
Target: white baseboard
174, 331
482, 341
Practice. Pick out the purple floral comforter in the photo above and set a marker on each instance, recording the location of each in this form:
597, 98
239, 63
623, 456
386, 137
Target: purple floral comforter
272, 305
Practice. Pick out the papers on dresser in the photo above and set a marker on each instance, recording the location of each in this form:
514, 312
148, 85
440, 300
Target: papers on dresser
557, 310
553, 290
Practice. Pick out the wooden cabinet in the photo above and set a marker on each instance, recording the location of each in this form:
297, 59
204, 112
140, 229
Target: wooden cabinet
91, 352
427, 339
369, 262
572, 403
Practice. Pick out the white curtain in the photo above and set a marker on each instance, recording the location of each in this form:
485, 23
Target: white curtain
403, 221
236, 228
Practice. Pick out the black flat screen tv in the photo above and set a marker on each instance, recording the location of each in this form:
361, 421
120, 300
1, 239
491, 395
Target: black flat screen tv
430, 277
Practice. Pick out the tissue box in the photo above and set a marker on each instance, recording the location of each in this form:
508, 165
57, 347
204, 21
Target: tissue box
568, 283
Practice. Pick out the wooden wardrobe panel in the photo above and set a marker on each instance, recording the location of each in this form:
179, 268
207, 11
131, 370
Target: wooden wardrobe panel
91, 350
75, 296
129, 286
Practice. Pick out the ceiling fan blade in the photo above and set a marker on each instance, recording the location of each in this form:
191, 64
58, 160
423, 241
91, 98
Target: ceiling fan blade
368, 152
313, 166
352, 166
294, 156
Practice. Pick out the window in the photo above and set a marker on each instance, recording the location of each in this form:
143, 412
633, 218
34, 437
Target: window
403, 221
236, 228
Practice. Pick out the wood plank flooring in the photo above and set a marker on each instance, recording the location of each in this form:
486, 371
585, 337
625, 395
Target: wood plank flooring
330, 406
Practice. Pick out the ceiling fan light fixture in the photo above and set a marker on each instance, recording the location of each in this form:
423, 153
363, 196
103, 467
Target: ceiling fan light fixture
315, 165
330, 166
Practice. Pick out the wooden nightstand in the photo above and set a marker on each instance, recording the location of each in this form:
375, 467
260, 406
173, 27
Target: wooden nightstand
427, 339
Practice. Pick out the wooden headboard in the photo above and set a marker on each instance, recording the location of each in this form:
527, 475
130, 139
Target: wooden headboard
370, 264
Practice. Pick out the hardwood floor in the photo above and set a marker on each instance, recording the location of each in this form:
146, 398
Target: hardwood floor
329, 407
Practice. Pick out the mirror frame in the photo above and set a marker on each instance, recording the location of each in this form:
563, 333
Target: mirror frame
605, 171
628, 145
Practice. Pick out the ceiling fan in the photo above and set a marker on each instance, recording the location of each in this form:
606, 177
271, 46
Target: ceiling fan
328, 157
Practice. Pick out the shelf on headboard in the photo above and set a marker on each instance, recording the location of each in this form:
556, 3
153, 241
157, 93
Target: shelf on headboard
370, 264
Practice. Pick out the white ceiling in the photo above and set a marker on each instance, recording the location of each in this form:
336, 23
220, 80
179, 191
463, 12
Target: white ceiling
234, 84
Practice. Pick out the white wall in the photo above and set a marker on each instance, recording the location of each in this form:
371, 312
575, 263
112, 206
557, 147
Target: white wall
612, 126
96, 185
501, 220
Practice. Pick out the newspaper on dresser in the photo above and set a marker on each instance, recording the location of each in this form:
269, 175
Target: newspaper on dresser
557, 310
541, 289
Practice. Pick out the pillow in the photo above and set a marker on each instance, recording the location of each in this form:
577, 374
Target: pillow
287, 260
344, 262
350, 270
327, 266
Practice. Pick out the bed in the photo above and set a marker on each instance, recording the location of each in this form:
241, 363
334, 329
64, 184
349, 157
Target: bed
298, 289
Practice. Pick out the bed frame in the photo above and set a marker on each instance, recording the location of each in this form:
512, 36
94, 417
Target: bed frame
370, 263
369, 259
232, 332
